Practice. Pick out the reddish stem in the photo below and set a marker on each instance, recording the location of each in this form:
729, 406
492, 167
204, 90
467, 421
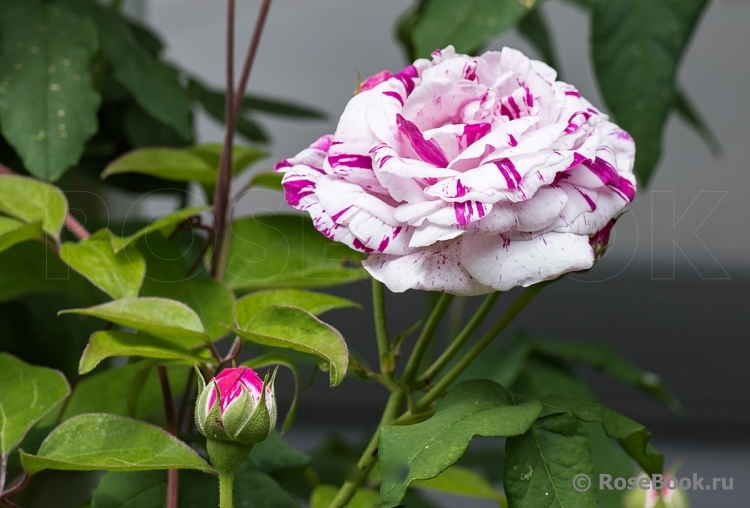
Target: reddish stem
173, 480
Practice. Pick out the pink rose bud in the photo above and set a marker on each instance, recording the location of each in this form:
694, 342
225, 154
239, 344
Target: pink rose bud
236, 406
669, 496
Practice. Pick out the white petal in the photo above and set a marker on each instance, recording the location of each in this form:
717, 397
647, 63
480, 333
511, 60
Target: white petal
540, 211
428, 234
430, 269
504, 264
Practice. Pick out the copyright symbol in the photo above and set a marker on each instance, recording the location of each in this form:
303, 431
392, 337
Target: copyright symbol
582, 482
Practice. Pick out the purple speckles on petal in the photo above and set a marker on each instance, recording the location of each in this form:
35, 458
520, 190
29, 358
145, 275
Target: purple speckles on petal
529, 97
588, 199
475, 131
460, 189
384, 160
361, 246
375, 80
506, 112
470, 71
384, 244
509, 172
513, 105
506, 243
350, 160
406, 76
573, 93
324, 143
626, 188
512, 140
395, 95
396, 232
428, 151
295, 190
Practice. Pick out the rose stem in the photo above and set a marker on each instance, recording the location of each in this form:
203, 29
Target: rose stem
506, 319
233, 106
425, 337
173, 479
3, 471
460, 340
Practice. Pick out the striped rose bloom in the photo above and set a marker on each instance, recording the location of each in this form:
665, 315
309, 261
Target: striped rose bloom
467, 175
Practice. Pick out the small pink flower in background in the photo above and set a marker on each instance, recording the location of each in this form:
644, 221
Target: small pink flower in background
229, 407
467, 175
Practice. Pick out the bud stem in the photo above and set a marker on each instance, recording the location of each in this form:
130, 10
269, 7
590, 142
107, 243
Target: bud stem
226, 489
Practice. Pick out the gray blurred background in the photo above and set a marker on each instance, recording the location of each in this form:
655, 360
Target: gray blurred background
673, 294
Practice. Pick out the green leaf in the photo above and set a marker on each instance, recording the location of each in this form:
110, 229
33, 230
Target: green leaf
534, 27
467, 25
148, 489
274, 455
690, 114
167, 223
637, 47
108, 343
314, 303
104, 442
153, 84
461, 482
242, 156
541, 464
256, 489
213, 102
323, 495
297, 329
610, 363
143, 130
424, 450
279, 359
280, 107
211, 300
13, 232
166, 319
120, 274
633, 437
268, 180
112, 391
30, 200
609, 458
279, 251
48, 105
167, 163
27, 393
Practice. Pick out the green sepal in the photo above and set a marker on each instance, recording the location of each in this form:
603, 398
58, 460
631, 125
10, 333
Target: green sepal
226, 456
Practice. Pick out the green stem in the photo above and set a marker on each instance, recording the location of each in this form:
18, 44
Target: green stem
410, 372
460, 339
381, 324
506, 319
370, 455
226, 489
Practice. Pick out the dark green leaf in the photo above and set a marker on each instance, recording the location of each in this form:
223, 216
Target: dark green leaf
143, 130
610, 363
280, 107
13, 232
153, 83
296, 329
540, 465
274, 455
27, 393
467, 25
314, 303
424, 450
166, 319
48, 105
213, 103
211, 300
167, 163
30, 200
148, 489
268, 180
633, 437
166, 224
105, 442
256, 489
119, 274
533, 26
108, 343
637, 47
278, 251
690, 114
609, 458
